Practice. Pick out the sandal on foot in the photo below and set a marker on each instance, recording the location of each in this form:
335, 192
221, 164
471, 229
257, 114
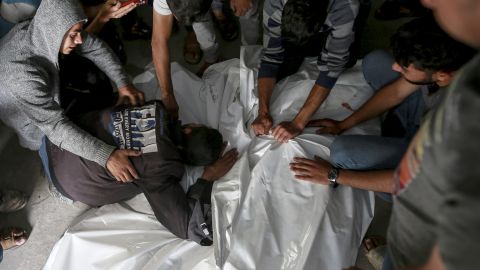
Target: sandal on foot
12, 200
192, 53
374, 248
12, 237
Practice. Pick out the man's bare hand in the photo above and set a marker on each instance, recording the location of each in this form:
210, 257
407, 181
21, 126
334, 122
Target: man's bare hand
221, 166
262, 124
311, 170
286, 131
327, 126
171, 105
130, 95
120, 166
240, 7
112, 10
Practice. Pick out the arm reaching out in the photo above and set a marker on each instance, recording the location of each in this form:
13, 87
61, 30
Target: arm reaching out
317, 170
383, 100
263, 123
111, 9
162, 28
221, 166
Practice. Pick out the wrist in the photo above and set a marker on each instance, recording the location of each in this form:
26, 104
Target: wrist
333, 176
206, 175
299, 123
103, 19
263, 110
347, 123
343, 126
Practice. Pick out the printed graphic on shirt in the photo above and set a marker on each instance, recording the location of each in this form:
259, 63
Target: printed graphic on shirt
135, 128
411, 162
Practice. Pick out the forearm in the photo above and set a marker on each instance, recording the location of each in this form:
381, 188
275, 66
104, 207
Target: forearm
385, 99
265, 90
104, 58
162, 27
379, 181
317, 95
66, 135
161, 60
96, 25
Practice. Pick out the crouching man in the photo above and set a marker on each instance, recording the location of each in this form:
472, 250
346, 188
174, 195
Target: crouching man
167, 147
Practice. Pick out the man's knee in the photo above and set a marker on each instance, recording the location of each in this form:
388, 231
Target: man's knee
377, 68
339, 153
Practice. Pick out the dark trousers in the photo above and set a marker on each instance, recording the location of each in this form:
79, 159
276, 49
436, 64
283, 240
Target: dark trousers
86, 181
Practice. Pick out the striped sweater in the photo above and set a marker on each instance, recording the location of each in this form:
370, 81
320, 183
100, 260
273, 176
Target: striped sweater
339, 25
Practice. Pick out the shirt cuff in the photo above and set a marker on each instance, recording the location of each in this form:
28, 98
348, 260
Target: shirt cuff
123, 82
325, 81
268, 70
202, 182
103, 154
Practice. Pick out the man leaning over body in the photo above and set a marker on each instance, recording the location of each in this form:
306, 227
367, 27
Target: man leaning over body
293, 30
408, 84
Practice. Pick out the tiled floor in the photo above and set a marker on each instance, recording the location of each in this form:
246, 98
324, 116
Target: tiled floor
47, 218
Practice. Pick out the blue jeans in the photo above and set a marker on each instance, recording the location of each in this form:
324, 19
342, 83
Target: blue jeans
368, 152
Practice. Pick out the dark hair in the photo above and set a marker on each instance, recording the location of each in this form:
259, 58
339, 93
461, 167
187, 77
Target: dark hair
189, 11
422, 43
302, 19
202, 146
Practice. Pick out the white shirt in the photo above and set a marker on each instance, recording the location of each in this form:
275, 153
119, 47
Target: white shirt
161, 7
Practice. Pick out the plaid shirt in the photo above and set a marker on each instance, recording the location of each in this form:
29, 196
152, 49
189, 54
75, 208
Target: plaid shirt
338, 24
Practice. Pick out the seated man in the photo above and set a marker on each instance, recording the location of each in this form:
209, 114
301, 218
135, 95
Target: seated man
425, 60
295, 29
166, 147
30, 81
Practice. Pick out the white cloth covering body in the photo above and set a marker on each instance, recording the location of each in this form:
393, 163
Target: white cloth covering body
263, 217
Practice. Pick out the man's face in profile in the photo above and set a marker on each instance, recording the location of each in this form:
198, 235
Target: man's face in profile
72, 38
413, 75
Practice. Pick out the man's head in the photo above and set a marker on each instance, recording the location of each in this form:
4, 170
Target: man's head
302, 19
72, 38
200, 145
424, 54
189, 11
460, 18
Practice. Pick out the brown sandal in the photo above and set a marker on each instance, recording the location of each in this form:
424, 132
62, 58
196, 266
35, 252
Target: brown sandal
12, 200
192, 53
12, 237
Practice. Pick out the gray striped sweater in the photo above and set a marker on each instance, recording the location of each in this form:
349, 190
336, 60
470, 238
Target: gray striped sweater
334, 55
